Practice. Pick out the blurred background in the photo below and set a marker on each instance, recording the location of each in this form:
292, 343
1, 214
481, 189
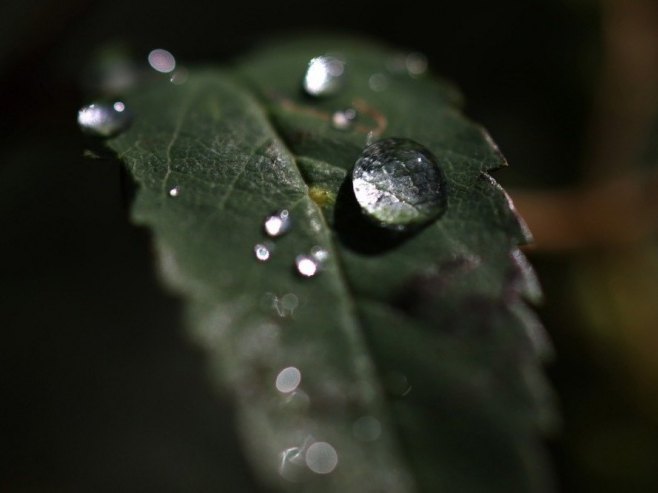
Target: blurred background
99, 386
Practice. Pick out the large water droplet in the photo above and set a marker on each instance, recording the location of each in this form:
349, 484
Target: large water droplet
344, 119
324, 76
162, 61
321, 458
104, 119
307, 265
288, 380
278, 223
398, 183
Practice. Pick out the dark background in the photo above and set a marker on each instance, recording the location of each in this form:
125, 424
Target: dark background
100, 389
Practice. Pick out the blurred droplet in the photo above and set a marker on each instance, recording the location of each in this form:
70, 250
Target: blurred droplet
288, 380
378, 82
320, 253
416, 64
174, 191
103, 119
321, 458
398, 183
343, 119
162, 61
179, 76
278, 223
324, 76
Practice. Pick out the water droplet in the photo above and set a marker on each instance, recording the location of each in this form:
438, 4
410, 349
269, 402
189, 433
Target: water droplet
292, 466
162, 61
174, 191
263, 251
398, 183
378, 82
307, 265
324, 76
367, 429
416, 64
343, 120
320, 253
321, 458
284, 306
278, 223
398, 384
179, 76
288, 380
103, 119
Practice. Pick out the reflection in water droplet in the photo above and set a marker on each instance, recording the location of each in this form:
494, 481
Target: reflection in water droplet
104, 120
367, 429
416, 64
398, 183
319, 253
307, 266
174, 191
378, 82
321, 458
179, 76
263, 251
278, 223
162, 61
343, 120
324, 76
288, 380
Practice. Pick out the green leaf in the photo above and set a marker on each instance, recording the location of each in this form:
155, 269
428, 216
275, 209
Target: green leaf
418, 355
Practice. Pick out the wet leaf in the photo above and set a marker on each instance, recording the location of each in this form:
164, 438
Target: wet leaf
424, 335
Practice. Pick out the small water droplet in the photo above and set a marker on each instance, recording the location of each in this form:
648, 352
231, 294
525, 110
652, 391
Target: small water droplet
162, 61
397, 384
324, 76
398, 183
278, 223
174, 191
288, 380
343, 119
378, 82
367, 429
321, 458
416, 64
320, 253
263, 251
103, 119
284, 306
307, 265
179, 76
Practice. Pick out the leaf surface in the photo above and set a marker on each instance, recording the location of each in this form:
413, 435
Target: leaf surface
418, 357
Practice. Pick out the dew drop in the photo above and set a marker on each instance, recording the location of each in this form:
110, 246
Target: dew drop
321, 458
324, 76
179, 77
263, 251
103, 119
343, 119
319, 253
398, 184
162, 61
278, 223
378, 82
174, 191
307, 265
288, 380
416, 64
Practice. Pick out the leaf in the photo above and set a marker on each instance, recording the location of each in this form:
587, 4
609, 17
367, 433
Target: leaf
418, 355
